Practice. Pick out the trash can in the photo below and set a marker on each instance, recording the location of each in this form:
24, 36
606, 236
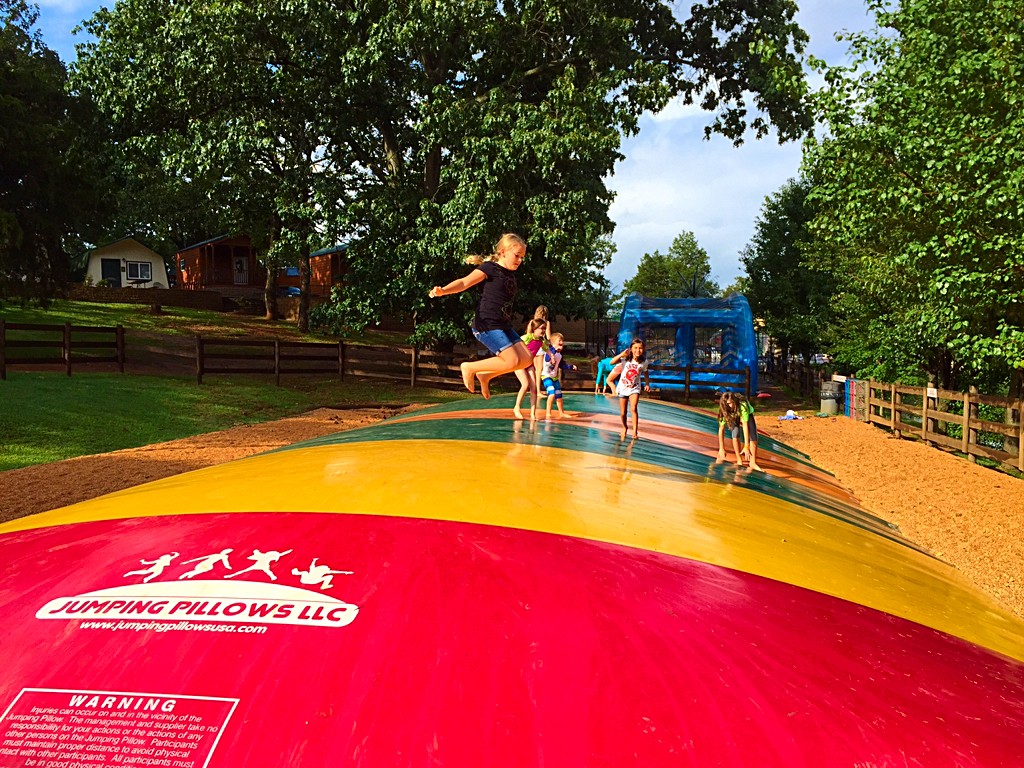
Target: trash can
831, 397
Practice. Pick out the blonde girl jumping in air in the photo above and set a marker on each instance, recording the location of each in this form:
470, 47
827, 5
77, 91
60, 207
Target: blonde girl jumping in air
492, 325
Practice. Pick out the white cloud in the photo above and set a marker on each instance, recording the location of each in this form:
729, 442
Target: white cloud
672, 180
677, 110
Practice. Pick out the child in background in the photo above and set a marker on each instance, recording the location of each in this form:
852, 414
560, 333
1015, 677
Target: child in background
535, 342
628, 386
553, 365
737, 414
604, 370
541, 313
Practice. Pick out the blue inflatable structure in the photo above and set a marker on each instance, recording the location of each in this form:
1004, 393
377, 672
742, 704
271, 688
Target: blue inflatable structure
694, 344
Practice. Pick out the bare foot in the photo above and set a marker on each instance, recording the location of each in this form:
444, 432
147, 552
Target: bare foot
467, 377
756, 467
635, 435
518, 413
622, 434
485, 386
533, 414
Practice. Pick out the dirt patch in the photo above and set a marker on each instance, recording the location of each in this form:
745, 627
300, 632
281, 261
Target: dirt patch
967, 514
47, 486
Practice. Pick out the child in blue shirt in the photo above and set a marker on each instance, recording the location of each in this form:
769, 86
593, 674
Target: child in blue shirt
553, 363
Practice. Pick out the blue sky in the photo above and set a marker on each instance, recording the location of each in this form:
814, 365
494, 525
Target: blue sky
672, 180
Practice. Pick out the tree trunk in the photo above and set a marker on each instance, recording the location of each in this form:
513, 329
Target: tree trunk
270, 294
303, 319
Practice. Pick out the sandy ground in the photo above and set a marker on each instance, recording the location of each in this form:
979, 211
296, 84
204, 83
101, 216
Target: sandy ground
968, 515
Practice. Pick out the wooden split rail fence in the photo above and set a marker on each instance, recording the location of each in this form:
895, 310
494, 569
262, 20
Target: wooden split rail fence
34, 344
212, 355
952, 420
340, 359
695, 377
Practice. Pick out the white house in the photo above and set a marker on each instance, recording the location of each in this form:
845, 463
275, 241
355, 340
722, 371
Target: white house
126, 263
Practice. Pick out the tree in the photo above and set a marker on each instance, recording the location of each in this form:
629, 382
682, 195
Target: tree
227, 101
44, 193
513, 117
421, 131
919, 187
792, 299
740, 285
683, 272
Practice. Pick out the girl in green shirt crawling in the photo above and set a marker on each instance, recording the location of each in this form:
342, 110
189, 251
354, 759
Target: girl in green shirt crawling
737, 413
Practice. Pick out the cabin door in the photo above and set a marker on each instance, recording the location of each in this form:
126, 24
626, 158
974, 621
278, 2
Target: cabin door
241, 271
110, 270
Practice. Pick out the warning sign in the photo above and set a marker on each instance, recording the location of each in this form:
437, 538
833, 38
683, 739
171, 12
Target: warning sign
53, 728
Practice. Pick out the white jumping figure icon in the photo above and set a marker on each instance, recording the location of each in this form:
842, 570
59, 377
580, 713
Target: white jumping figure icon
318, 574
156, 567
207, 563
261, 562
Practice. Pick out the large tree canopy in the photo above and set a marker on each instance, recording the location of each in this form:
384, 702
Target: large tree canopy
423, 130
920, 189
683, 272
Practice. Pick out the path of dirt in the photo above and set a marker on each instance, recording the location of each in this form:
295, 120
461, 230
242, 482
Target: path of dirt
967, 514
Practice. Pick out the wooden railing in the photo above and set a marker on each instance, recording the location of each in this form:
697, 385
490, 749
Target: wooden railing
267, 356
211, 355
951, 420
35, 339
692, 377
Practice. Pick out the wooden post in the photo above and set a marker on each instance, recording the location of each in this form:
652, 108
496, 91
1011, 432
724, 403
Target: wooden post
3, 350
415, 359
1011, 444
341, 360
748, 383
277, 362
119, 336
970, 412
892, 410
199, 359
1020, 427
924, 416
965, 423
687, 390
67, 348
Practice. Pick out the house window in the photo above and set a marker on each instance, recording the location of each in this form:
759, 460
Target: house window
140, 270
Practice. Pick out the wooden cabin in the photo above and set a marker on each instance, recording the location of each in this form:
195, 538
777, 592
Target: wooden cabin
220, 263
232, 266
326, 268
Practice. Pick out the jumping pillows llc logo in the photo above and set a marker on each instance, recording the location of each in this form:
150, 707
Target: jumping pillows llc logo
206, 593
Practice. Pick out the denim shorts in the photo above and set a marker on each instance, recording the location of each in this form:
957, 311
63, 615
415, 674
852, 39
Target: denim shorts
498, 340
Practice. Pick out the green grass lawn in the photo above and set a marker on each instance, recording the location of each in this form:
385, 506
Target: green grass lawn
48, 417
